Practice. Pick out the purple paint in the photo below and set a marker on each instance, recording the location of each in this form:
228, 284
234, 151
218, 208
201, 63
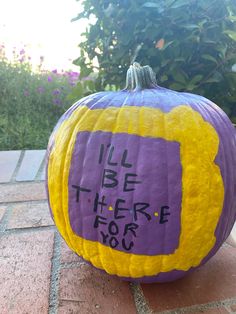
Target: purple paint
154, 163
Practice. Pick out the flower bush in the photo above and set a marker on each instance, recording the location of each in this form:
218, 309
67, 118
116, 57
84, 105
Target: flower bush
190, 44
31, 102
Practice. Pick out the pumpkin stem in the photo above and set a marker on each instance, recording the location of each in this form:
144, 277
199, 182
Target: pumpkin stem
139, 77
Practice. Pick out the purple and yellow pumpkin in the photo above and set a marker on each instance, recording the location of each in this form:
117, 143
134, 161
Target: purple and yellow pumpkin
142, 182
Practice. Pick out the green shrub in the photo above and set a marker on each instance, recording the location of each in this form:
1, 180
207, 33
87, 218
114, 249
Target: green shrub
30, 102
190, 44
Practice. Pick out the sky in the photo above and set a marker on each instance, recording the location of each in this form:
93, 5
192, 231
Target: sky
42, 28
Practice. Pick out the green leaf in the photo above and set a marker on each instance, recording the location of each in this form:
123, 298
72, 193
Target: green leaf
231, 34
179, 3
209, 41
190, 87
222, 50
180, 59
166, 45
176, 86
150, 5
233, 119
215, 78
79, 89
232, 18
196, 79
85, 71
81, 15
209, 58
179, 76
190, 26
153, 5
163, 78
202, 22
165, 62
226, 110
89, 84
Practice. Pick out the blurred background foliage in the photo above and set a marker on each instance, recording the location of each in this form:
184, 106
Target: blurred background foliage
190, 44
31, 102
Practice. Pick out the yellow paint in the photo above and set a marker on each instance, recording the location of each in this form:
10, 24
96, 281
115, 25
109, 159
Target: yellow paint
202, 184
110, 208
156, 214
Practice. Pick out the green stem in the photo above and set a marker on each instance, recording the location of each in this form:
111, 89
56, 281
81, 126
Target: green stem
139, 77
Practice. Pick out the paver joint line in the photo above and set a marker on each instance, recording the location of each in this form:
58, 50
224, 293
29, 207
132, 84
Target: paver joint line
139, 299
5, 219
30, 165
24, 202
29, 229
72, 264
13, 178
55, 273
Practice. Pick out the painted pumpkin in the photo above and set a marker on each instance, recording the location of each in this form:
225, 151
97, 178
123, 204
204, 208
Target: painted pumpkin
142, 182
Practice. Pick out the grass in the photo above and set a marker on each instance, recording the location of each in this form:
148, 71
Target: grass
30, 102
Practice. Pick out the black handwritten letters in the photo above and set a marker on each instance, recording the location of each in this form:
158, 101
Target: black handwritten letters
123, 163
121, 228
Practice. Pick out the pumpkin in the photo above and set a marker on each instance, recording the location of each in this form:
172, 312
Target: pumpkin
142, 182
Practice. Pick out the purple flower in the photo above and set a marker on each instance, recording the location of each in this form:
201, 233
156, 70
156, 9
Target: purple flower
40, 89
56, 101
72, 77
2, 47
26, 93
54, 71
56, 92
22, 52
86, 78
75, 74
49, 78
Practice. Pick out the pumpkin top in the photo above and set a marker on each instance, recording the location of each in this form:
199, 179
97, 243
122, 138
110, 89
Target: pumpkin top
140, 77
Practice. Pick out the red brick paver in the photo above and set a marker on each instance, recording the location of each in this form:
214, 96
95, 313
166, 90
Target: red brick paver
232, 238
233, 307
25, 272
94, 292
215, 281
25, 215
22, 192
67, 255
70, 307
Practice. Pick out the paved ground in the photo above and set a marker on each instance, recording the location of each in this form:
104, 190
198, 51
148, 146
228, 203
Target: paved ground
39, 274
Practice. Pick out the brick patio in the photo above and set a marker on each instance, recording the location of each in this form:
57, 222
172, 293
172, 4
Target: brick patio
39, 274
